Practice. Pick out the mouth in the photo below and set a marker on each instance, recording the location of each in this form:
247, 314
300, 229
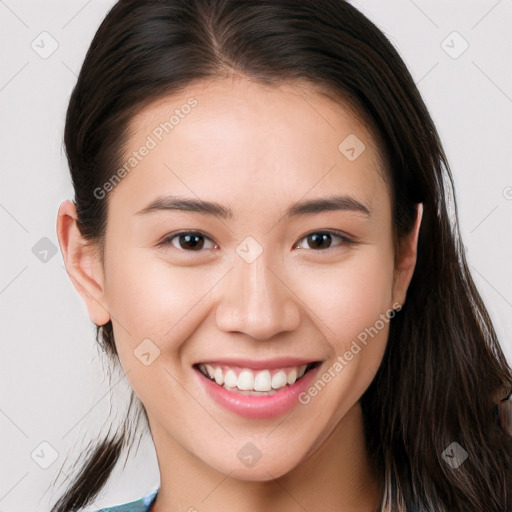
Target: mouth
260, 381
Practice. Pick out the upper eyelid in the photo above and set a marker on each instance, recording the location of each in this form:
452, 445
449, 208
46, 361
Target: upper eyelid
166, 240
345, 238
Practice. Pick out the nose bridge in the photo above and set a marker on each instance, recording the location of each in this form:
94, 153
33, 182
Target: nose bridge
254, 299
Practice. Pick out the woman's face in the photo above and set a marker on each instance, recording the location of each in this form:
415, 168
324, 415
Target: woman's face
253, 234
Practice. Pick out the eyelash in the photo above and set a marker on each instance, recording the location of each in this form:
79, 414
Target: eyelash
344, 239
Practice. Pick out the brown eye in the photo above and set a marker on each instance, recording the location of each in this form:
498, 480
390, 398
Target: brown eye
321, 240
188, 241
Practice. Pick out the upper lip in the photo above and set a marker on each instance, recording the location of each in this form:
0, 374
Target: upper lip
259, 364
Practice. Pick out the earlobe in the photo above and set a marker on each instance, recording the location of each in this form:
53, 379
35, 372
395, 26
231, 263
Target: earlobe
83, 263
406, 260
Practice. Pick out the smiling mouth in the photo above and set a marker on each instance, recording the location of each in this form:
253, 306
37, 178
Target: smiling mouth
254, 382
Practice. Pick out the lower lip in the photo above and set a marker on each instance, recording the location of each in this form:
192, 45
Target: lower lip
258, 406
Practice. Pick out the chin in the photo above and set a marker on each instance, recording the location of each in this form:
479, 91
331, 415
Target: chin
270, 466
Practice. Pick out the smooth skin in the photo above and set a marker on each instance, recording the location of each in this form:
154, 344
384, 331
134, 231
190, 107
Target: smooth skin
256, 150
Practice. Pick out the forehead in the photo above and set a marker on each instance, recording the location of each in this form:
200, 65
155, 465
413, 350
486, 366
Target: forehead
235, 134
262, 106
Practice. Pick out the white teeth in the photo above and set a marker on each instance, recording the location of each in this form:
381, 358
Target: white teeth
209, 370
245, 380
219, 376
262, 381
249, 380
291, 377
230, 379
279, 380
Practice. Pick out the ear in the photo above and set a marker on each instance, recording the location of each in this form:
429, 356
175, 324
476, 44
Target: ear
83, 263
405, 260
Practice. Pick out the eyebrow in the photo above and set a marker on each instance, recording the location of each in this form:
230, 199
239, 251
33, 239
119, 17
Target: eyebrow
309, 207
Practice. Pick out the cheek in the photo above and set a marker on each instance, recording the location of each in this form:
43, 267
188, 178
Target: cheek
149, 300
353, 302
354, 305
351, 295
152, 300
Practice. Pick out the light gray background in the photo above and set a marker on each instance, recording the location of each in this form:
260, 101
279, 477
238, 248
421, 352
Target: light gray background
54, 388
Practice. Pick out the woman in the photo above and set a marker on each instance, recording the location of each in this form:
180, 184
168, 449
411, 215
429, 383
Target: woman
261, 234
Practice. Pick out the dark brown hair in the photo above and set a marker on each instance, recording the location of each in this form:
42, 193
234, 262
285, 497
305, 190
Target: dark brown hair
443, 370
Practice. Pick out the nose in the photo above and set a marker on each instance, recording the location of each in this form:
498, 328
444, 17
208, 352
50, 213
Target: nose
257, 301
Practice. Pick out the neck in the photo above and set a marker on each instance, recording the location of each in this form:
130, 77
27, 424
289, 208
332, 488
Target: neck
337, 476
